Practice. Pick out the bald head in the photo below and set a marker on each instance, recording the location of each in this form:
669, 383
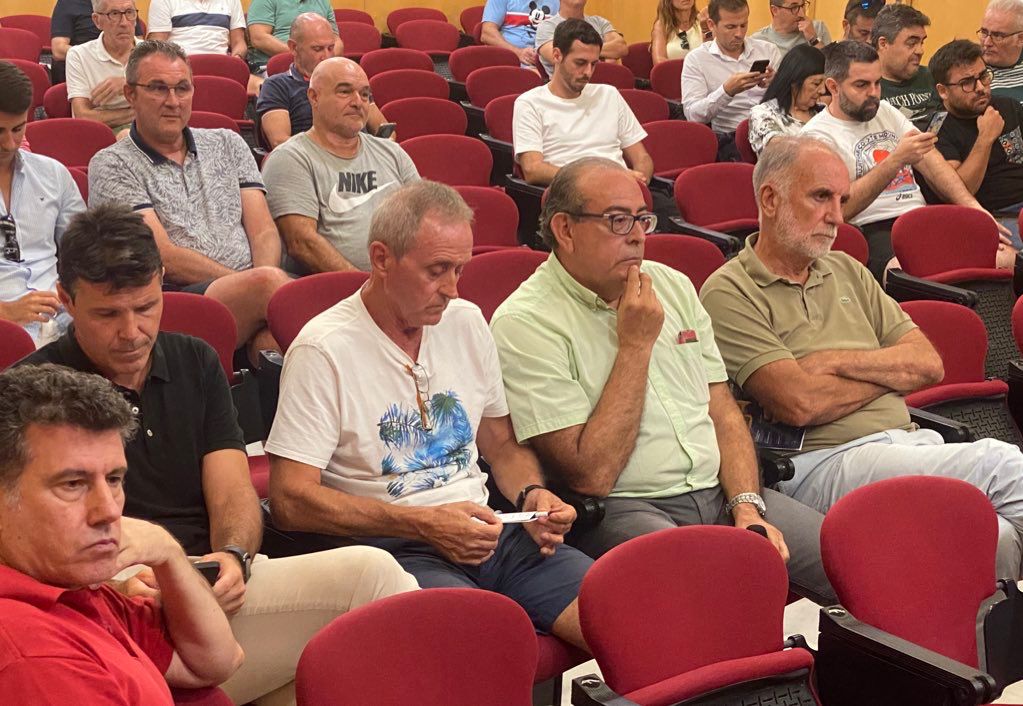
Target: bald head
336, 70
339, 96
309, 23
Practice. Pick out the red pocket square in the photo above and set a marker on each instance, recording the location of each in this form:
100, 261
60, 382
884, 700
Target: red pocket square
687, 336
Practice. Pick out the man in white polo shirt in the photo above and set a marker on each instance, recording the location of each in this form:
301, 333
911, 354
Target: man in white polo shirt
95, 70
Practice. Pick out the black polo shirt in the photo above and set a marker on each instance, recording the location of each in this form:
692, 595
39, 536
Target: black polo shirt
73, 19
185, 412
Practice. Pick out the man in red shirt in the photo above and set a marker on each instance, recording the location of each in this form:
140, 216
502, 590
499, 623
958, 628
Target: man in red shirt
65, 637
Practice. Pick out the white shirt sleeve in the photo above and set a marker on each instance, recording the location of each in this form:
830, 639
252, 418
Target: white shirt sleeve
237, 15
527, 127
160, 16
77, 86
700, 100
629, 130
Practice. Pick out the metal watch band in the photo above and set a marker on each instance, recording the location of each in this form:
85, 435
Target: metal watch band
753, 499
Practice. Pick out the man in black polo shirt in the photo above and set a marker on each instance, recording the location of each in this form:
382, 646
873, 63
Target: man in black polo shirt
981, 136
187, 468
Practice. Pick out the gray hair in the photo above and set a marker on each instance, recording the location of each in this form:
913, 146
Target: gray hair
149, 47
51, 395
892, 19
304, 21
397, 219
564, 194
777, 162
1012, 7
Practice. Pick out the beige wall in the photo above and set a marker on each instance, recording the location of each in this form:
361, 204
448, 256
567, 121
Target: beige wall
950, 19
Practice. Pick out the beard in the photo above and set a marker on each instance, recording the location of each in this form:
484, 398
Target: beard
805, 242
864, 112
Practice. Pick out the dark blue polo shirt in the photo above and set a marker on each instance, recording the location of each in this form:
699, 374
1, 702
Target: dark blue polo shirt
287, 91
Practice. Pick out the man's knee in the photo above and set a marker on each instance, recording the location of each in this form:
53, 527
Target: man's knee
268, 280
376, 572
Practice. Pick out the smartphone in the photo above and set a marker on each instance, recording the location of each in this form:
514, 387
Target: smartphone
760, 66
210, 570
386, 130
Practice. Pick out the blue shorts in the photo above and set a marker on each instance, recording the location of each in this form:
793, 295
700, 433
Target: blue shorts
543, 586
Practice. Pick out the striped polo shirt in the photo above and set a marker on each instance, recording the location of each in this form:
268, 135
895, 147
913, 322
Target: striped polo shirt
1008, 81
197, 26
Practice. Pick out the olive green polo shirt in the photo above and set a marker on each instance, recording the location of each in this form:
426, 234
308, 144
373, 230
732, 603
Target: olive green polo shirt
558, 341
760, 318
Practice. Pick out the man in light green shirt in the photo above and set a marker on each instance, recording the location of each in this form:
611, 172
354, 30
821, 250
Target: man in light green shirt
612, 375
270, 26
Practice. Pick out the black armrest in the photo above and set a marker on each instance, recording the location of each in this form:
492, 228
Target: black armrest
456, 91
859, 664
527, 199
676, 111
1015, 400
271, 363
477, 124
590, 690
1017, 275
662, 184
775, 466
245, 395
1000, 641
905, 287
728, 244
504, 158
952, 431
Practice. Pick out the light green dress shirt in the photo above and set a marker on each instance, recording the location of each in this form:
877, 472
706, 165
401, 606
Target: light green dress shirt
558, 341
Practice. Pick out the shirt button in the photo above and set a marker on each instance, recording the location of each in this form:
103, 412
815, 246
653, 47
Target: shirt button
149, 432
134, 410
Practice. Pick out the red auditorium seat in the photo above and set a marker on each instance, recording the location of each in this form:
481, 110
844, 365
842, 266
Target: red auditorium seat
292, 305
498, 117
205, 120
424, 116
851, 241
55, 102
666, 79
682, 641
380, 60
349, 15
359, 38
81, 178
647, 106
19, 44
455, 160
490, 278
742, 143
677, 145
70, 141
487, 83
40, 79
718, 197
223, 65
15, 343
39, 25
278, 64
387, 86
496, 218
694, 257
386, 652
217, 94
613, 74
405, 14
638, 60
465, 60
470, 17
435, 37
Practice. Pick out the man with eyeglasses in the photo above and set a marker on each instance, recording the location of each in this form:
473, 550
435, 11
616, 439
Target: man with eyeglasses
387, 401
790, 27
38, 197
71, 24
1001, 36
981, 136
199, 190
613, 377
95, 70
898, 36
858, 20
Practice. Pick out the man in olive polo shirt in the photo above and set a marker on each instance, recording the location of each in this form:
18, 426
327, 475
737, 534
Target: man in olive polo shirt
812, 337
612, 375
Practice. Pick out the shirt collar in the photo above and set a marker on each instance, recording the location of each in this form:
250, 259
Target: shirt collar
101, 50
296, 74
713, 48
763, 277
72, 353
571, 285
154, 156
16, 586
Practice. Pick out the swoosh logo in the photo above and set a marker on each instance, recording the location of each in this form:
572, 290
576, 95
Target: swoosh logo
339, 204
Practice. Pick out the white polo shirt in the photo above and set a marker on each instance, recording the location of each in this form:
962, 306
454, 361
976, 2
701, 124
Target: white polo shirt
197, 26
703, 79
89, 65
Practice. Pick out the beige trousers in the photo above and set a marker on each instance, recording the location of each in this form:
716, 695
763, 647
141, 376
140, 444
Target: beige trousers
288, 600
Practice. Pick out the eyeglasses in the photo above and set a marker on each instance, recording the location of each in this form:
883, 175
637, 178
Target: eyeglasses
12, 250
969, 84
794, 8
116, 15
182, 90
683, 39
422, 381
623, 223
997, 36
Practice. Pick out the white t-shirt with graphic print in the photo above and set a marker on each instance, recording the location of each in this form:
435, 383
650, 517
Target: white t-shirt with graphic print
348, 405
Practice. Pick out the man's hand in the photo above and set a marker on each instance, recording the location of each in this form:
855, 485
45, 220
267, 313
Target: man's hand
230, 586
548, 532
745, 515
146, 543
452, 529
806, 27
914, 146
34, 306
640, 176
106, 91
640, 316
527, 56
990, 125
743, 81
767, 77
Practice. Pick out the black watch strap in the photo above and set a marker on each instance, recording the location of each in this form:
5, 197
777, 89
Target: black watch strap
243, 557
522, 495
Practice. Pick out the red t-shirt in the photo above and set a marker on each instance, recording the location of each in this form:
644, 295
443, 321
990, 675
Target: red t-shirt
87, 647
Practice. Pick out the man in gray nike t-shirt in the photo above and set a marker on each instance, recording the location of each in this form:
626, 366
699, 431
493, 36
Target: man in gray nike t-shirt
323, 185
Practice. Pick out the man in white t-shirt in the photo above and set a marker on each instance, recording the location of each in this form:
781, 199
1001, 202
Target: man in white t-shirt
881, 148
200, 26
384, 399
570, 118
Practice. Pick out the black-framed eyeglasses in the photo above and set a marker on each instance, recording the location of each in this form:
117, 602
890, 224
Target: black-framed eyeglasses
116, 15
422, 381
623, 223
969, 84
181, 90
794, 8
984, 33
9, 230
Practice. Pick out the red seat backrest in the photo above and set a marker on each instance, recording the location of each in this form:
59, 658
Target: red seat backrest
40, 82
39, 25
359, 38
613, 74
348, 15
205, 318
81, 178
70, 141
851, 241
387, 86
217, 94
498, 117
278, 64
55, 102
957, 333
223, 65
455, 160
666, 79
19, 44
679, 144
294, 304
694, 257
647, 106
639, 60
490, 278
465, 60
425, 116
204, 120
742, 143
930, 240
496, 219
406, 14
380, 60
487, 83
470, 17
711, 193
432, 36
1017, 324
15, 343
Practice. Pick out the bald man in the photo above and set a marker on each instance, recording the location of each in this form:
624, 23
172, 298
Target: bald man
283, 105
323, 185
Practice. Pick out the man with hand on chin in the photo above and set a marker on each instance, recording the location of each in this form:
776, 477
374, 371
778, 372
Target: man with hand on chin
66, 637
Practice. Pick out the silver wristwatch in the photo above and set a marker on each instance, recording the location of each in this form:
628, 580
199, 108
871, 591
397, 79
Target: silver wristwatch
753, 499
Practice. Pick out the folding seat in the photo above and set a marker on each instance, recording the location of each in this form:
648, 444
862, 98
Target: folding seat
490, 278
56, 103
216, 94
666, 79
470, 17
15, 343
435, 37
713, 636
716, 202
405, 14
19, 44
742, 143
675, 146
497, 135
202, 119
81, 178
40, 79
223, 65
455, 160
359, 38
70, 141
639, 60
278, 64
386, 652
613, 74
465, 60
647, 106
484, 84
387, 86
39, 25
380, 60
922, 619
694, 257
349, 15
496, 219
291, 306
424, 116
948, 253
851, 241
